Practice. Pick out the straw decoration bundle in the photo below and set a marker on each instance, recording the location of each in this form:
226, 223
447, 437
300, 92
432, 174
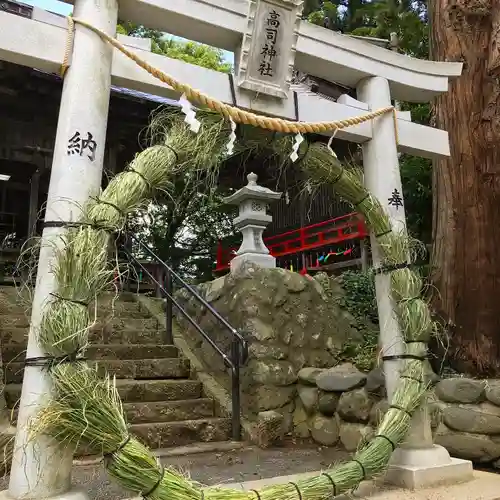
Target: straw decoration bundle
87, 409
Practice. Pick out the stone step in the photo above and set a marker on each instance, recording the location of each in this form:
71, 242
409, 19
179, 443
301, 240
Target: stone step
163, 411
126, 336
17, 315
132, 391
169, 411
139, 369
98, 335
14, 320
166, 434
13, 335
16, 352
118, 323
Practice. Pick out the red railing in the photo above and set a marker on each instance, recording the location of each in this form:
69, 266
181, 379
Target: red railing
329, 232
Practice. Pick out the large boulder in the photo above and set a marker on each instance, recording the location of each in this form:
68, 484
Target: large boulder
300, 422
469, 446
309, 398
493, 392
354, 435
324, 430
355, 406
308, 375
328, 402
375, 381
461, 390
270, 397
478, 419
341, 378
271, 372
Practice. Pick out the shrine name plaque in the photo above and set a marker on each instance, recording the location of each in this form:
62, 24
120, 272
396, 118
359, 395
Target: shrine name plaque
268, 51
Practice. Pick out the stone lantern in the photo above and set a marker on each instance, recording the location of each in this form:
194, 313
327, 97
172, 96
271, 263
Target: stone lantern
253, 201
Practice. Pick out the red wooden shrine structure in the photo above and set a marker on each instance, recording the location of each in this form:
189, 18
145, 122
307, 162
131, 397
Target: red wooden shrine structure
302, 241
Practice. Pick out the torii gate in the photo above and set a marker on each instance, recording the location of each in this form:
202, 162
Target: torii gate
41, 471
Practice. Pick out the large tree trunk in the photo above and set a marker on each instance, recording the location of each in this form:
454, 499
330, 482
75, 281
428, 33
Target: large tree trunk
466, 211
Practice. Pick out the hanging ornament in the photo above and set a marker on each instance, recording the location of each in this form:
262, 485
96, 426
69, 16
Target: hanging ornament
287, 198
187, 109
308, 187
299, 139
329, 145
232, 137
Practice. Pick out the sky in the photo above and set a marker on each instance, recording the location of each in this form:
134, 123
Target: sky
52, 5
65, 9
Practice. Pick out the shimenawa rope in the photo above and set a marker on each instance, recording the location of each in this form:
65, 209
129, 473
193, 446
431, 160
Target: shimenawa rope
236, 114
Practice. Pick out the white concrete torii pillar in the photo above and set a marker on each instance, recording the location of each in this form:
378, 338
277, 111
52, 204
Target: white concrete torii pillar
40, 468
418, 462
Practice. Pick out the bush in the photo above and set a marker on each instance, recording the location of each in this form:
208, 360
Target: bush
360, 299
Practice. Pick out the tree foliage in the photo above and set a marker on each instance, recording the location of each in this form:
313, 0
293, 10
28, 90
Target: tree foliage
184, 229
187, 51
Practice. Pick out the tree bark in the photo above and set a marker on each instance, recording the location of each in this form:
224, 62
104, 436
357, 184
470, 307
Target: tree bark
466, 187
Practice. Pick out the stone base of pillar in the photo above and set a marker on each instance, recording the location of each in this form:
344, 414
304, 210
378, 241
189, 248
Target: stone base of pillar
259, 259
426, 467
74, 494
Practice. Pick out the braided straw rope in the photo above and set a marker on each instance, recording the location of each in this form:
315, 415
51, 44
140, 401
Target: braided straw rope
236, 114
69, 46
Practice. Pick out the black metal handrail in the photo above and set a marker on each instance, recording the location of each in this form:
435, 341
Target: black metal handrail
239, 346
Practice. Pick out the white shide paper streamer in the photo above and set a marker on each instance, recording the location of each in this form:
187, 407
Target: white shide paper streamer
187, 109
232, 137
299, 139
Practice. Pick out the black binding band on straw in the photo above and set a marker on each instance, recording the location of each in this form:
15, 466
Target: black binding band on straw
298, 490
415, 342
409, 377
96, 225
400, 408
142, 177
404, 356
356, 203
112, 205
411, 299
337, 179
334, 486
155, 486
257, 493
119, 448
62, 223
393, 446
173, 151
362, 467
392, 267
49, 361
66, 299
383, 234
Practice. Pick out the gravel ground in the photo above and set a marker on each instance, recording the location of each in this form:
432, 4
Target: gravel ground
247, 464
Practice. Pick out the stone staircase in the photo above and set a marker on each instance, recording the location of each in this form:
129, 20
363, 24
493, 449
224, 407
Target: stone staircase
165, 407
